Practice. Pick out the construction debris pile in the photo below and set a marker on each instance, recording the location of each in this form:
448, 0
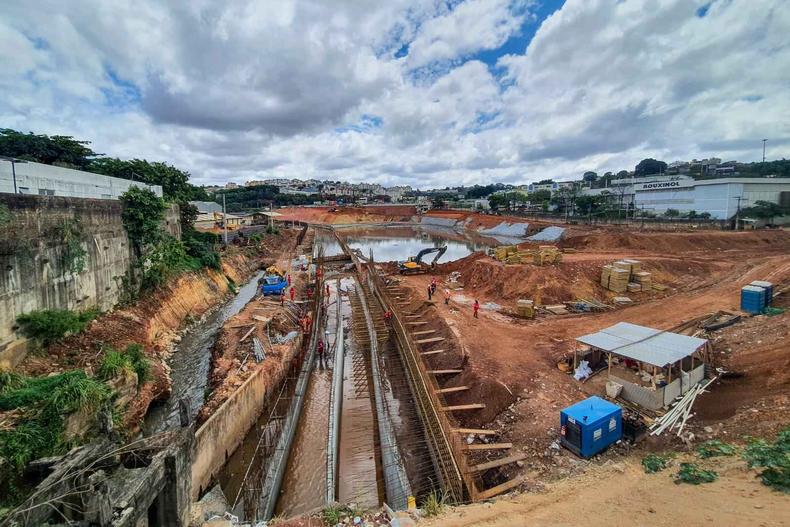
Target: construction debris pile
627, 276
544, 254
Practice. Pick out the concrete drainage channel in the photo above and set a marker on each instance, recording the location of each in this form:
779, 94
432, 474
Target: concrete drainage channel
345, 430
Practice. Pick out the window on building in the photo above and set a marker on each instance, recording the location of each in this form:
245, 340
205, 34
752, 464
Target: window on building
46, 192
24, 190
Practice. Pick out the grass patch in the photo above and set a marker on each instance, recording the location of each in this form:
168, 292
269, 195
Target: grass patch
46, 401
51, 325
334, 514
433, 504
131, 359
715, 448
692, 474
653, 463
773, 459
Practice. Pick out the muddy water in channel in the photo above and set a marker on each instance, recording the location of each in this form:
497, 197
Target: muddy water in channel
191, 360
357, 471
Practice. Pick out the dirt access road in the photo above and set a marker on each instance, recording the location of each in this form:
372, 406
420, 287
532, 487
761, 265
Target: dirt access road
621, 494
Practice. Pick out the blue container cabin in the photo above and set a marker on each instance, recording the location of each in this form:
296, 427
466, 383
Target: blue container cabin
753, 299
590, 426
769, 290
273, 284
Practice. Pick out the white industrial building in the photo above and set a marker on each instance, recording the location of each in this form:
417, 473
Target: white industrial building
720, 198
26, 177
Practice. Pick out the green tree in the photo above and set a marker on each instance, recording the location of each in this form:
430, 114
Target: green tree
622, 174
539, 196
590, 177
672, 213
61, 150
764, 210
497, 201
649, 166
174, 182
142, 216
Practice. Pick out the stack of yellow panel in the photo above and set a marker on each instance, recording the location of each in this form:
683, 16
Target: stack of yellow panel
503, 251
636, 265
606, 272
547, 254
633, 287
645, 279
525, 308
618, 280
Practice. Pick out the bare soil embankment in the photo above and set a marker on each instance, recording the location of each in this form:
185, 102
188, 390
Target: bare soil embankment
522, 354
153, 321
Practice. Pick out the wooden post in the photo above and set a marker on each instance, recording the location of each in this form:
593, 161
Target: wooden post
669, 376
575, 349
692, 361
609, 371
653, 379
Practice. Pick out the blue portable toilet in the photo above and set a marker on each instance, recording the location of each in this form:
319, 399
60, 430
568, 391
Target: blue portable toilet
753, 299
769, 290
590, 426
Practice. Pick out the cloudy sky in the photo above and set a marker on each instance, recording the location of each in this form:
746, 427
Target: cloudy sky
420, 92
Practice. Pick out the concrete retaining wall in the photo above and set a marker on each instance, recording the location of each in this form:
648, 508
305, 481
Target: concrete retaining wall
224, 431
34, 267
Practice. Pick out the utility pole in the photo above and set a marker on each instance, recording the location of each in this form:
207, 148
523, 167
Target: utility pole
738, 210
764, 140
224, 219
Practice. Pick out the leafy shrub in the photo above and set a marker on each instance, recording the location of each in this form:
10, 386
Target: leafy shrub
200, 245
715, 448
132, 359
50, 325
46, 401
694, 475
10, 380
773, 458
655, 463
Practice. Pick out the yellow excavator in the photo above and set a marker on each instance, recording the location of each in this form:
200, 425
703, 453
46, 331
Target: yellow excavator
415, 265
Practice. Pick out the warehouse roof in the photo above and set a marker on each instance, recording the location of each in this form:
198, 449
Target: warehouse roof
644, 344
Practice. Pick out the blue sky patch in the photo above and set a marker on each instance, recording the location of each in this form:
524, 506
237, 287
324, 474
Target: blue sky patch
702, 11
367, 123
123, 93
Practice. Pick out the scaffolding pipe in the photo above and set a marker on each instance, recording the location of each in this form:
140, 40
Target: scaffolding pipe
333, 441
276, 471
396, 484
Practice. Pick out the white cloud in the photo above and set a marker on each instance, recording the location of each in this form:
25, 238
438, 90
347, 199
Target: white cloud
239, 90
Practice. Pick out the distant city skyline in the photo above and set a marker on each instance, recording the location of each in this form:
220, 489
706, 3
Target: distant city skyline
407, 92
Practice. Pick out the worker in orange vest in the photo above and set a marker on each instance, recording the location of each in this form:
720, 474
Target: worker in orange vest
476, 308
293, 293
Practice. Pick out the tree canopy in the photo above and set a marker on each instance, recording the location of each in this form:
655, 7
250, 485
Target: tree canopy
260, 196
590, 176
765, 210
60, 150
649, 166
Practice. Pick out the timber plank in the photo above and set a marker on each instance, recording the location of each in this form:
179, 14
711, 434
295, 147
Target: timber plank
416, 323
445, 372
463, 407
499, 489
476, 431
432, 352
453, 389
424, 332
496, 463
429, 340
489, 446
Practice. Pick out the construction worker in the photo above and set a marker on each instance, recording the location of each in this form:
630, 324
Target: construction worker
327, 290
446, 296
320, 351
288, 277
292, 292
430, 293
476, 308
387, 316
282, 298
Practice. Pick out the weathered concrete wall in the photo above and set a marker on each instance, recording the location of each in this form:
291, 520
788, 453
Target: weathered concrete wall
35, 270
224, 431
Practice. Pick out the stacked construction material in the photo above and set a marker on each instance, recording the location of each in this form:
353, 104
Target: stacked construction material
644, 279
618, 280
510, 254
525, 308
626, 275
547, 254
753, 299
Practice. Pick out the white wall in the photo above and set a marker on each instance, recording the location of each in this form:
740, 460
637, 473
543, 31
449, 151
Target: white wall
41, 179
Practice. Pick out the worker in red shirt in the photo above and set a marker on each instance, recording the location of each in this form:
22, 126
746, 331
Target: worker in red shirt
288, 277
282, 298
292, 292
476, 308
320, 351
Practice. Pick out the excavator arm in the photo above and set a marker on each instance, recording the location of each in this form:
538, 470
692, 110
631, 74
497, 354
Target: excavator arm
438, 250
